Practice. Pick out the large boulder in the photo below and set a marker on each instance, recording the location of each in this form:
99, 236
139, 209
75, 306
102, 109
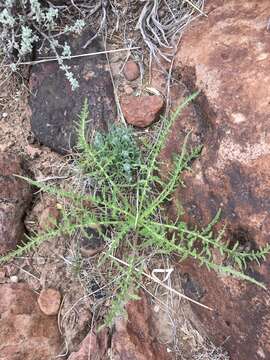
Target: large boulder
15, 197
55, 107
25, 332
227, 56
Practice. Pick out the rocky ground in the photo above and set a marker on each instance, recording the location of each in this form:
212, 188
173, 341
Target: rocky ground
51, 305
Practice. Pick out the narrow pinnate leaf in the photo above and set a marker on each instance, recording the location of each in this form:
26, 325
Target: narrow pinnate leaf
121, 193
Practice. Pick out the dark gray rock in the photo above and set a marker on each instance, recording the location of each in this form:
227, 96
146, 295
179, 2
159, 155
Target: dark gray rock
55, 107
91, 243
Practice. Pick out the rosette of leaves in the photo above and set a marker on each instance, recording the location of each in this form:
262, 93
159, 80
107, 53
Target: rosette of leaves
128, 198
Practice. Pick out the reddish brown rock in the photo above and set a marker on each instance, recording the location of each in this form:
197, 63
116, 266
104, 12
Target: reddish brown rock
93, 347
227, 57
15, 197
49, 217
141, 111
131, 70
49, 301
25, 333
134, 337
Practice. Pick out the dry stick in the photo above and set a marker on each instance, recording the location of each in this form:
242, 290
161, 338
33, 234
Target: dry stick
101, 26
59, 315
119, 109
89, 352
150, 26
168, 87
166, 306
196, 7
75, 56
64, 354
27, 272
161, 283
86, 297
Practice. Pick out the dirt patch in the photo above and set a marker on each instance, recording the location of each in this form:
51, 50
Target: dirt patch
16, 135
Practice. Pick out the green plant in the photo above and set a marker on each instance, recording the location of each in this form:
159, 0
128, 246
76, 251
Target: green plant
29, 24
127, 204
115, 151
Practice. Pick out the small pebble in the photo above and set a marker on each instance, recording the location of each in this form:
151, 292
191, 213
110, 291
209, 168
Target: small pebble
48, 218
49, 301
40, 261
128, 89
131, 70
14, 279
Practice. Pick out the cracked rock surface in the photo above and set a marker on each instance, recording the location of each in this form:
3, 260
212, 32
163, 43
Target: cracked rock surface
25, 332
15, 197
227, 57
55, 107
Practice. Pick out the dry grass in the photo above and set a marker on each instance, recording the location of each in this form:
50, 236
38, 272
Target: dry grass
176, 325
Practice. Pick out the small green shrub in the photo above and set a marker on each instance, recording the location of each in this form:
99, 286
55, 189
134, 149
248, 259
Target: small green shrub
27, 24
127, 202
117, 151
